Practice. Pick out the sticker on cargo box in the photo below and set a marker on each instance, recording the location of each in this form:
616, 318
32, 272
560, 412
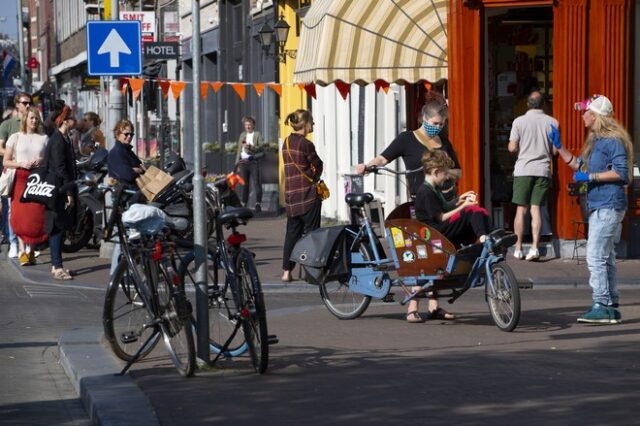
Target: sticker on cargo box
437, 246
398, 237
408, 257
421, 251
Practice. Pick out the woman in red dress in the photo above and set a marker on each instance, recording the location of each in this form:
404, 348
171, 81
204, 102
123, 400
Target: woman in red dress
24, 152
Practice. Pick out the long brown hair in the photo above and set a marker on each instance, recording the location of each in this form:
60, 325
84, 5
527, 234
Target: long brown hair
298, 119
608, 127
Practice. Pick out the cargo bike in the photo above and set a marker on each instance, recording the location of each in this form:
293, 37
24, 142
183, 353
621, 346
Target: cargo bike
365, 259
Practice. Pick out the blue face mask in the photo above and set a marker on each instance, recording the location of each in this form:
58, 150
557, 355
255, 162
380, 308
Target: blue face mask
431, 129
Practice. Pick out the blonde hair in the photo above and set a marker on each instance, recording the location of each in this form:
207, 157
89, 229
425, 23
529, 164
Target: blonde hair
298, 119
436, 159
608, 127
23, 123
121, 125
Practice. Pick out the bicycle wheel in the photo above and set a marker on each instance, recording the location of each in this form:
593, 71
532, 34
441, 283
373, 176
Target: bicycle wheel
338, 297
504, 298
124, 315
175, 312
222, 308
252, 310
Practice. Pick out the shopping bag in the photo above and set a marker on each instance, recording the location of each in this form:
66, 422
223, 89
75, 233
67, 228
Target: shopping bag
153, 182
6, 181
40, 188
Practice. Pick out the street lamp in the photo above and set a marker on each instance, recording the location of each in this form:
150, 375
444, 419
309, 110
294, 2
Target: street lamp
281, 28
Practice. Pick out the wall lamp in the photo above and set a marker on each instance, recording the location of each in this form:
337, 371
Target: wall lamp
281, 31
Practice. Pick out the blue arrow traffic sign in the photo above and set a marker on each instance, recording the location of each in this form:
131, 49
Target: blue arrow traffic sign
114, 48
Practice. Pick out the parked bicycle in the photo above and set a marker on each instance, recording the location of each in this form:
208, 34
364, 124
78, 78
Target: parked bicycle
350, 265
237, 312
145, 301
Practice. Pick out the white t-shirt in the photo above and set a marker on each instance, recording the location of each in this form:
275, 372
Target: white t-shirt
249, 141
27, 147
534, 147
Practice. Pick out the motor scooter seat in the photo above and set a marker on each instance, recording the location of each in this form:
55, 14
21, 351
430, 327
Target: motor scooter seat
177, 210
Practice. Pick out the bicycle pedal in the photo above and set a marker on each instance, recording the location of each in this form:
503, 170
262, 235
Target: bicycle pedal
128, 337
272, 339
390, 297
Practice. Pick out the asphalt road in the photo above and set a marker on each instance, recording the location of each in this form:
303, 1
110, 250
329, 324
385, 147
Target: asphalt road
373, 370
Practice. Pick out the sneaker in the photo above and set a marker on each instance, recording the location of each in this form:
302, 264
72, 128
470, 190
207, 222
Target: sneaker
258, 209
13, 251
518, 254
616, 316
24, 259
533, 255
599, 314
36, 253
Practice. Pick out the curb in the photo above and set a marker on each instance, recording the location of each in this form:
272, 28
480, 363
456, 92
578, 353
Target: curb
108, 399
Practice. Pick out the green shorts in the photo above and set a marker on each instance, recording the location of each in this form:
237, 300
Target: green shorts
530, 190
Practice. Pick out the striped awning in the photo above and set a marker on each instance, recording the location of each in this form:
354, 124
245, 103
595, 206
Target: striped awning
365, 40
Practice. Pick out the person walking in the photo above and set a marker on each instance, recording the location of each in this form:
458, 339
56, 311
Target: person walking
532, 171
606, 166
24, 152
22, 101
248, 169
301, 164
60, 162
410, 145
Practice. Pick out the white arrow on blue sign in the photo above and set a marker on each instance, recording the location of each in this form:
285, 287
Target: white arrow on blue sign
114, 48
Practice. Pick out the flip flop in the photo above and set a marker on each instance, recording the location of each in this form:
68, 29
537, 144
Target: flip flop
441, 314
414, 317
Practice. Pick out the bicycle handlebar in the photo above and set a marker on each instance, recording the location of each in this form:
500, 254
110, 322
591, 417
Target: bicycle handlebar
377, 169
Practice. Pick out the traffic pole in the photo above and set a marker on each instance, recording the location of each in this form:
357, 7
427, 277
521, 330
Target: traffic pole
23, 74
114, 108
199, 218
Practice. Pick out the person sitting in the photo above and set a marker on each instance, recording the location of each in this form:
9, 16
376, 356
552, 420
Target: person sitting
460, 220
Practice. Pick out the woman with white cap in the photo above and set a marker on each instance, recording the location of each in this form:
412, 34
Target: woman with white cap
606, 166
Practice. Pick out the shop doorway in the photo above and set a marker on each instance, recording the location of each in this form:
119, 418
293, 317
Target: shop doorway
518, 59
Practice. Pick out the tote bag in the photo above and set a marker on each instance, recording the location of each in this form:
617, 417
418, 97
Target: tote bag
40, 188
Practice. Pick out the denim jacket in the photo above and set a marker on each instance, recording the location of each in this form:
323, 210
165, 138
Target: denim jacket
608, 154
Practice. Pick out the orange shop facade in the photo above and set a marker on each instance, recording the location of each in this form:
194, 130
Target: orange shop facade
569, 49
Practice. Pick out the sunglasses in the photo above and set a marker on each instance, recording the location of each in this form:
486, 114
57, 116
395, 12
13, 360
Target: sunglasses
128, 135
26, 103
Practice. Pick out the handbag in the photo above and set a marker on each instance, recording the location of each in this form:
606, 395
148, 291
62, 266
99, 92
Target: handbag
321, 188
6, 182
40, 188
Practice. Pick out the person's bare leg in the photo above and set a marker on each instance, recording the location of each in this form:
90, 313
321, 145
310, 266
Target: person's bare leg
412, 308
518, 225
21, 246
536, 226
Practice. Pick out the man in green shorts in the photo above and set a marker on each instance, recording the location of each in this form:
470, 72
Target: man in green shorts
532, 171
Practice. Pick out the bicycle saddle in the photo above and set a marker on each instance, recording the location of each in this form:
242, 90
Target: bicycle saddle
234, 215
358, 200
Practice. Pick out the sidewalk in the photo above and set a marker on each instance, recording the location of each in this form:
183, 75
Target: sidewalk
117, 400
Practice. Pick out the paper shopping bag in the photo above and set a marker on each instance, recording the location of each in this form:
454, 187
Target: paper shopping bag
153, 182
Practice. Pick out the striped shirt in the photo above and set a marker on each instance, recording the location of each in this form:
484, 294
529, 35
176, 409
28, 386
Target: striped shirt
299, 193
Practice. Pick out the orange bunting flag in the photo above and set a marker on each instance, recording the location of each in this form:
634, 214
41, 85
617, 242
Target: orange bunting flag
311, 90
204, 90
124, 88
381, 84
216, 85
276, 88
240, 89
300, 86
427, 85
136, 86
164, 86
176, 88
343, 88
259, 88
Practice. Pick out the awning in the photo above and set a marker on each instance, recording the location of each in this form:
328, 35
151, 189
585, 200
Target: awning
363, 41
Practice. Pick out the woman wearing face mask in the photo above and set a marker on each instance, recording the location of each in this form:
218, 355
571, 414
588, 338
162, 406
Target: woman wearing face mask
410, 145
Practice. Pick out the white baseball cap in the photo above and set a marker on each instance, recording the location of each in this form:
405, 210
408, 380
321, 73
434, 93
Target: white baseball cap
599, 104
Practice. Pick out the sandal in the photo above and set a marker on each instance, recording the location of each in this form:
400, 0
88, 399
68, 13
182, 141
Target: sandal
441, 314
68, 271
414, 317
61, 274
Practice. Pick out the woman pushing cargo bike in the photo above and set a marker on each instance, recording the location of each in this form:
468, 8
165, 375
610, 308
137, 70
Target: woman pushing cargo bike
436, 248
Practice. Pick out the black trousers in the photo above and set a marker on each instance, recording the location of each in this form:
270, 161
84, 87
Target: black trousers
298, 226
250, 172
466, 226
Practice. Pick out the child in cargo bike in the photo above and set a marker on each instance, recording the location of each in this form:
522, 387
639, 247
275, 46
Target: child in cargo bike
460, 220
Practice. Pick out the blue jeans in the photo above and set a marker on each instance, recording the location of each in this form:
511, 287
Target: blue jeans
55, 245
6, 225
605, 226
